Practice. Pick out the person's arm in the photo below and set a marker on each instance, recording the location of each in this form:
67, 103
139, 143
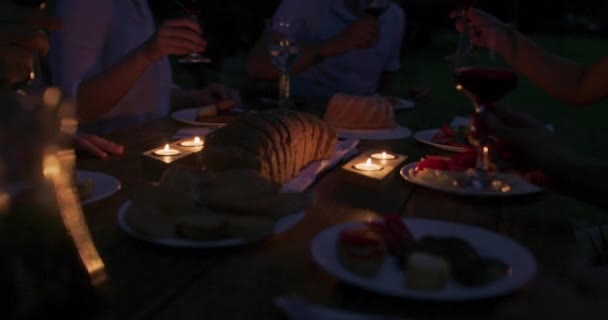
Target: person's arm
80, 44
574, 174
562, 78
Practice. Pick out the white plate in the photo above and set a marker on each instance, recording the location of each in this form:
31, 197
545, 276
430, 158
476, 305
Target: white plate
401, 104
103, 185
385, 134
390, 280
426, 137
522, 187
188, 116
282, 225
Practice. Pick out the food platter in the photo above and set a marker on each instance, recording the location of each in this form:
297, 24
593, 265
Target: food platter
390, 279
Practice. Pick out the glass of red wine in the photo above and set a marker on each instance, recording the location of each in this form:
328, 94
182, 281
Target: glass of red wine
374, 8
486, 80
35, 82
192, 9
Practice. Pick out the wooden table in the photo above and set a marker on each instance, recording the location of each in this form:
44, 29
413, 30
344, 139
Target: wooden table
152, 282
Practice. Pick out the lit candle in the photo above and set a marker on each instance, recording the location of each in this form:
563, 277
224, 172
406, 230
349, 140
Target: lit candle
167, 151
384, 156
368, 166
197, 142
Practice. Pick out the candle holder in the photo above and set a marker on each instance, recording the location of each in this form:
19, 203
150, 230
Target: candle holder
372, 169
157, 160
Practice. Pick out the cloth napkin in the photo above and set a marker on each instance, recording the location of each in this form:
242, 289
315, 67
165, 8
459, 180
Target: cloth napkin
308, 175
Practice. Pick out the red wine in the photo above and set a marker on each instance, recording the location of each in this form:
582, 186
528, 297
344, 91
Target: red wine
376, 11
31, 3
485, 85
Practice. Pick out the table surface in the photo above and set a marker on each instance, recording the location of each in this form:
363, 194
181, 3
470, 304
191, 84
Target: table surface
153, 282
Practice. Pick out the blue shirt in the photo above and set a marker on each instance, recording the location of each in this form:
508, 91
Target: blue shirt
355, 72
97, 34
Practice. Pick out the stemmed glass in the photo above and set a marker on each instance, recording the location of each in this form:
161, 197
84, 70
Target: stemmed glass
35, 82
485, 80
374, 8
283, 40
192, 9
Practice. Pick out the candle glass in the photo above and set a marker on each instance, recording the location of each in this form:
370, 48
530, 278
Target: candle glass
167, 151
368, 166
383, 156
196, 142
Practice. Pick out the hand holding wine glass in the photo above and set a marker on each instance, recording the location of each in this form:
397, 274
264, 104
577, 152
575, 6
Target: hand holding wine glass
191, 8
174, 37
483, 29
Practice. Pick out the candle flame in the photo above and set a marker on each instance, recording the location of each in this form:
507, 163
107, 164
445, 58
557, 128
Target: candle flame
167, 147
197, 140
459, 87
369, 162
384, 156
485, 150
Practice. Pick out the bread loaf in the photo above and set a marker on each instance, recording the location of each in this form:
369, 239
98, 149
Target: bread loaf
277, 144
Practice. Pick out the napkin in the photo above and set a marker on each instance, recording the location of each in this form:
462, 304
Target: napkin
192, 132
308, 175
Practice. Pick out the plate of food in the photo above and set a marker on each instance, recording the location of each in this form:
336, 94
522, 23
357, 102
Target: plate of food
218, 114
444, 175
192, 208
94, 186
449, 138
424, 259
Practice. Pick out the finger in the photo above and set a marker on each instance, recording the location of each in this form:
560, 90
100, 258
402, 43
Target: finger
25, 36
182, 45
184, 34
500, 129
83, 144
107, 145
184, 23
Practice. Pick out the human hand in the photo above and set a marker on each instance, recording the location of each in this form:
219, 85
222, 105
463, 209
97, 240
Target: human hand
484, 29
363, 33
174, 37
539, 146
97, 146
20, 38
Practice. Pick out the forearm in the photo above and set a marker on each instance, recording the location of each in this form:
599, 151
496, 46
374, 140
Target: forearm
260, 66
560, 77
99, 94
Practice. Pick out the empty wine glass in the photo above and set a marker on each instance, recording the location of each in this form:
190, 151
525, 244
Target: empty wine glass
192, 9
283, 40
485, 80
34, 83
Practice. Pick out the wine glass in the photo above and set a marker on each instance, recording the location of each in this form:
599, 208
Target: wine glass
35, 82
192, 9
283, 40
485, 80
374, 8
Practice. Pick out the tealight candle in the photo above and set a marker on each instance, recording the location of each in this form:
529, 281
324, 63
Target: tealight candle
368, 166
167, 151
383, 156
196, 142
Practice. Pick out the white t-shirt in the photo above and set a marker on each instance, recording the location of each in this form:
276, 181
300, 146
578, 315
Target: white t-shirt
355, 72
96, 34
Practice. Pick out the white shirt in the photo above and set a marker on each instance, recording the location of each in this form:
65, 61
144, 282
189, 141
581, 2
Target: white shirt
357, 71
97, 34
